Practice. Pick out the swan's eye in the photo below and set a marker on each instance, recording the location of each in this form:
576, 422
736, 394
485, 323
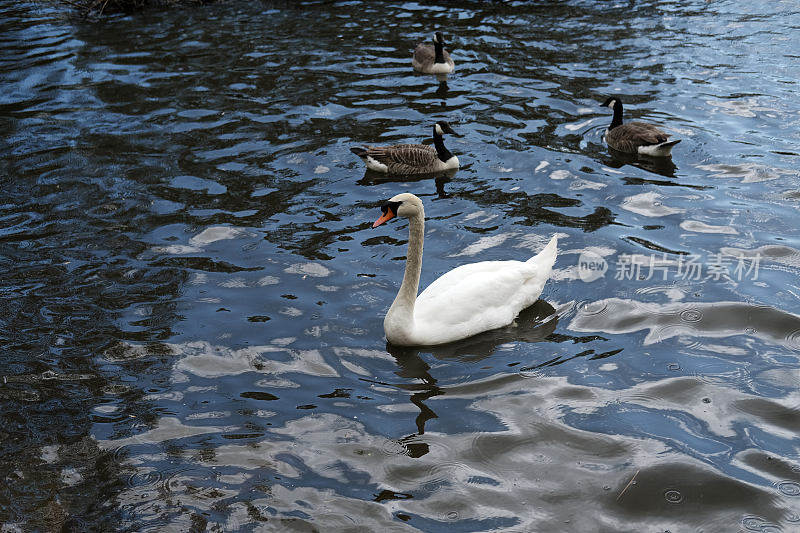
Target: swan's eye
390, 205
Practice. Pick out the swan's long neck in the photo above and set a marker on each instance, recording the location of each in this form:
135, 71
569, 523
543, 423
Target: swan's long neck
439, 49
441, 152
617, 120
403, 305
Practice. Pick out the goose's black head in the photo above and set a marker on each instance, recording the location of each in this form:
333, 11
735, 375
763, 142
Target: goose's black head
441, 127
438, 38
613, 102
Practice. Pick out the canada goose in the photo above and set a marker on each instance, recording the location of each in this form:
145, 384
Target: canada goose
411, 158
432, 59
469, 299
636, 137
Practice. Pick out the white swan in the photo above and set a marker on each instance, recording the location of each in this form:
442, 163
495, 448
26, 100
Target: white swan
467, 300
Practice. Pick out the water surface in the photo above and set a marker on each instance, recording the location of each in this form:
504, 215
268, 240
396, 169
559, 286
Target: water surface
193, 297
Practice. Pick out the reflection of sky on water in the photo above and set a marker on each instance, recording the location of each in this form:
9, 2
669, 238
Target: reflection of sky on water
193, 308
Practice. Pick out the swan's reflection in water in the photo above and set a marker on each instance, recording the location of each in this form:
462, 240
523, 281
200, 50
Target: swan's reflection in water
534, 324
372, 177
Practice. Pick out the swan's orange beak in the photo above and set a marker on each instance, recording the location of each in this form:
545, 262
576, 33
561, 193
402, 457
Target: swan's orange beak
388, 215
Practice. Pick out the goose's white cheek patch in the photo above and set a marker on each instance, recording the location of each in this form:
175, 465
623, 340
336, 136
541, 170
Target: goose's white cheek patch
375, 165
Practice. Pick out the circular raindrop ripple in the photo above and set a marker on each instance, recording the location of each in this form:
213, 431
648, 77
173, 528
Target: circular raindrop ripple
393, 447
752, 523
756, 523
793, 340
789, 488
691, 315
592, 308
170, 483
140, 479
186, 220
443, 475
120, 454
673, 496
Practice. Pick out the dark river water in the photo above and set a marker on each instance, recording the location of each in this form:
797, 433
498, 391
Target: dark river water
192, 295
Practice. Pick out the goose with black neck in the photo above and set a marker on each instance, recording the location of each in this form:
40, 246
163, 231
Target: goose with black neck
404, 159
636, 137
433, 59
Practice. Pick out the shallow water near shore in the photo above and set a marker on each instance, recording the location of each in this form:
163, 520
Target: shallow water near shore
193, 296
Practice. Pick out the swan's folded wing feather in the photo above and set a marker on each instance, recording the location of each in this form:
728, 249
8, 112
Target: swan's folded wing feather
461, 275
489, 293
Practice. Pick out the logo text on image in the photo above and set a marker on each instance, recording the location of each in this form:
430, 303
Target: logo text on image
591, 266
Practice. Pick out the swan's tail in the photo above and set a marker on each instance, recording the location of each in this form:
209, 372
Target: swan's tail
547, 257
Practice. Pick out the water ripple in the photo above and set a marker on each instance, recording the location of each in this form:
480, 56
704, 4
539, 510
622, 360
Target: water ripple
188, 271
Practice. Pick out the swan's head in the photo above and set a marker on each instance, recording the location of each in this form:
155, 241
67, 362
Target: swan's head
442, 127
438, 38
612, 102
402, 205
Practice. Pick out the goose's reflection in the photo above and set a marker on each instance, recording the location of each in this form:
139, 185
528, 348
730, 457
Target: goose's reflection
443, 88
372, 177
657, 165
533, 324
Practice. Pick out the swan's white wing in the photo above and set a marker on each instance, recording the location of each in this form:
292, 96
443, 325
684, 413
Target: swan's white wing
470, 278
480, 296
487, 276
475, 298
